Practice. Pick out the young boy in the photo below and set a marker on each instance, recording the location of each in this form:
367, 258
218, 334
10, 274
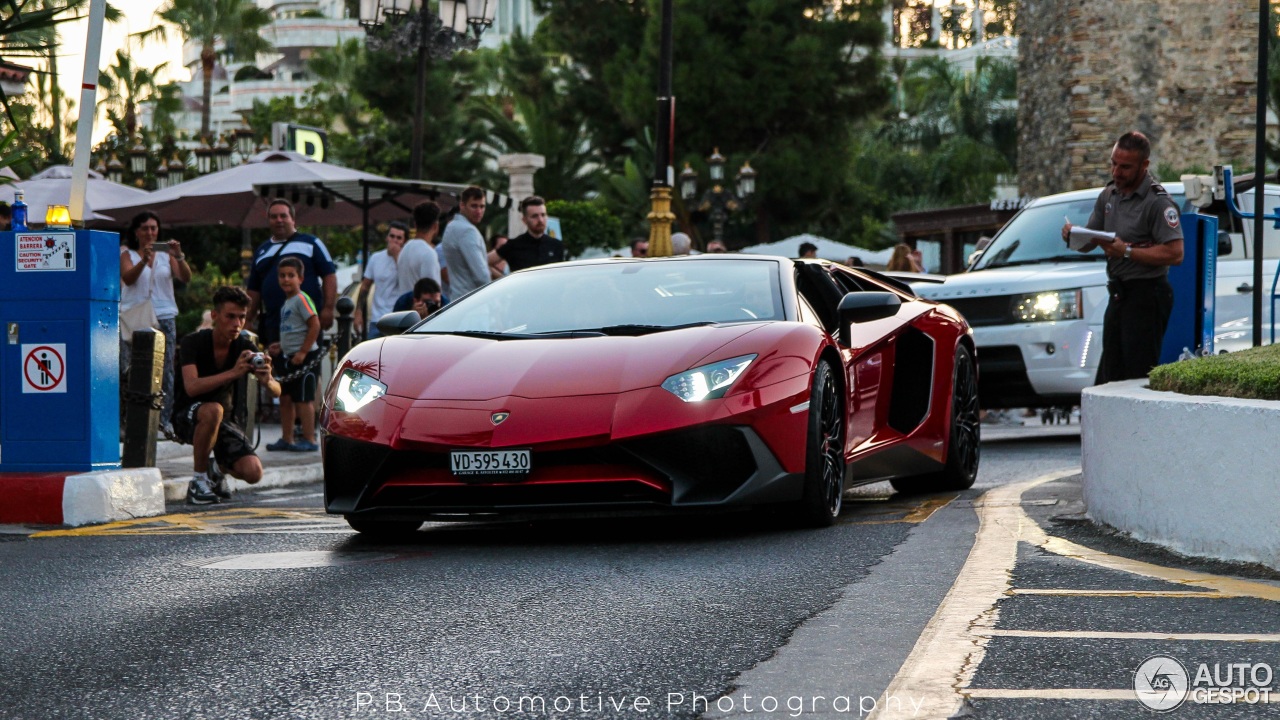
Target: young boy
299, 329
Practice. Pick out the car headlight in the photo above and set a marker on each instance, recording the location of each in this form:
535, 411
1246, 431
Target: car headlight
709, 381
355, 390
1047, 306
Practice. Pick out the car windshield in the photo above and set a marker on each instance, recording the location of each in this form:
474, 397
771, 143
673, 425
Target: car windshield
1035, 235
617, 298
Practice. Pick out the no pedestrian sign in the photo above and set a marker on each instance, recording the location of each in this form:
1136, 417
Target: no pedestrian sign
38, 252
44, 368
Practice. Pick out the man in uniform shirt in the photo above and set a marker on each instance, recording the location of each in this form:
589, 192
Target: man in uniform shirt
533, 247
1148, 240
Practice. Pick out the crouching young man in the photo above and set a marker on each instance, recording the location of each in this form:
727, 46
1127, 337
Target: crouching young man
210, 362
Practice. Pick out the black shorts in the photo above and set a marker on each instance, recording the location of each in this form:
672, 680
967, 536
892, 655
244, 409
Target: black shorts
301, 389
230, 445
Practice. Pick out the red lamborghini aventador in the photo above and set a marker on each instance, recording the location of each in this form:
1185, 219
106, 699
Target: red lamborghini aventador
663, 383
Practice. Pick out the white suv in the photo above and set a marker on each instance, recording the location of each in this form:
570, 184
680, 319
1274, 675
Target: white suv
1036, 307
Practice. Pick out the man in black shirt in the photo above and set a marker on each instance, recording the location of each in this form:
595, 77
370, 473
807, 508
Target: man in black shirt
534, 247
211, 361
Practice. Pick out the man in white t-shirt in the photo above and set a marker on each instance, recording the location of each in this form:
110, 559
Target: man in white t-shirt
382, 273
419, 259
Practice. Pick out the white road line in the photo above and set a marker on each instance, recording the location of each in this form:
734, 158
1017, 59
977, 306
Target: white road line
952, 645
1102, 635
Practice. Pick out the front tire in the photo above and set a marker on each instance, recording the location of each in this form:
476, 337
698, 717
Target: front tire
963, 439
824, 466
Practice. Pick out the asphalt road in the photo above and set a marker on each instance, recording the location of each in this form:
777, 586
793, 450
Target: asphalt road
266, 608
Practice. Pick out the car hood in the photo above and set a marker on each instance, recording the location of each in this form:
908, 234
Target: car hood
449, 367
1015, 280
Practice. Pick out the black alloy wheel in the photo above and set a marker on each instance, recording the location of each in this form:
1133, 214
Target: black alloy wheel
824, 454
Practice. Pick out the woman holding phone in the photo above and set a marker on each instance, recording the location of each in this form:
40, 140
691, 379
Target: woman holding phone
147, 272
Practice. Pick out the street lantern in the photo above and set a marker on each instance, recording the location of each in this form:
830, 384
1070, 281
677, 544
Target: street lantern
244, 142
688, 182
746, 181
177, 170
204, 157
162, 176
715, 164
115, 169
410, 28
138, 158
101, 167
222, 155
718, 201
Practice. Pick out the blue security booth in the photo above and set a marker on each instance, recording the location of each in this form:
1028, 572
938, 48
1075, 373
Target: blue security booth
59, 373
1191, 323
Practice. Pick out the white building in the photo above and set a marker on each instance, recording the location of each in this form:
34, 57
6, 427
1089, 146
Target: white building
297, 35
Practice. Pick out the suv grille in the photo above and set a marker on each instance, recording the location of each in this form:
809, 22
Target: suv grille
981, 311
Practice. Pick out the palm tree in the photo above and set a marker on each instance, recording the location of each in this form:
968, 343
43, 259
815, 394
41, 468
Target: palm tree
124, 87
232, 24
337, 94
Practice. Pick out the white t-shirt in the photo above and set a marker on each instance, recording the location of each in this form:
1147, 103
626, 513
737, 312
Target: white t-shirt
155, 282
417, 260
386, 289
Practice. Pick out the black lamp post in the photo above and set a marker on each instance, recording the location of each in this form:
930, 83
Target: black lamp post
660, 215
411, 26
718, 201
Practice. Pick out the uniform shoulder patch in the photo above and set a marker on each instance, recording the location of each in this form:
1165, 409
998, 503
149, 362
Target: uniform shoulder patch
1171, 216
1159, 189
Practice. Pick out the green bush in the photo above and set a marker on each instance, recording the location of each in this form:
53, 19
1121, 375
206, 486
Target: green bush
585, 225
1252, 373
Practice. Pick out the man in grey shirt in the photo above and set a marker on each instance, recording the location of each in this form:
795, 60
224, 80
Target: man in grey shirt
418, 259
463, 248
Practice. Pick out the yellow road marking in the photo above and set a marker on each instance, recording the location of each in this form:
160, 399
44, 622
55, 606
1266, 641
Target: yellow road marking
1067, 592
214, 522
914, 512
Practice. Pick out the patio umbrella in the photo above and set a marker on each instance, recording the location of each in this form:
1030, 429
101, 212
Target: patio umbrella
229, 197
52, 186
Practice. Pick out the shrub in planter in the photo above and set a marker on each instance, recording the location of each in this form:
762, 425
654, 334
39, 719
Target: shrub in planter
1252, 373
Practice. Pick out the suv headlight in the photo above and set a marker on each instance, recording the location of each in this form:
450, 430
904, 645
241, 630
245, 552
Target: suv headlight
355, 390
1048, 306
707, 382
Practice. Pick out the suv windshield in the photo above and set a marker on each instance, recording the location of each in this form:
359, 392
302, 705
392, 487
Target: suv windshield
1035, 235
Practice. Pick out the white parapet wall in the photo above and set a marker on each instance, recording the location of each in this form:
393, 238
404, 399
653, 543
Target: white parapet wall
1197, 474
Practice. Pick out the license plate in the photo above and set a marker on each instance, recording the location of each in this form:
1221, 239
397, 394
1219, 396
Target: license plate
490, 462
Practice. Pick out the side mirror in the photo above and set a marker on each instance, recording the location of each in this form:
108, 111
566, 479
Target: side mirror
397, 322
1224, 243
860, 307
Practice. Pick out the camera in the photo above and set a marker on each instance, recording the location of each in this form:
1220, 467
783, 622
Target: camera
258, 360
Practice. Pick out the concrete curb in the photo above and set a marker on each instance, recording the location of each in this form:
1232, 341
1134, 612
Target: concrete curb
175, 489
1151, 460
81, 498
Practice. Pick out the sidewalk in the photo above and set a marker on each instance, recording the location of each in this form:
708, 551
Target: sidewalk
279, 469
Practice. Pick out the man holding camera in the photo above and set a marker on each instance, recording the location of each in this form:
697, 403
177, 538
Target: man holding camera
210, 362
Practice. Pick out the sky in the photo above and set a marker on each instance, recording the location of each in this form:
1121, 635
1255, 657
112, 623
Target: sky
139, 15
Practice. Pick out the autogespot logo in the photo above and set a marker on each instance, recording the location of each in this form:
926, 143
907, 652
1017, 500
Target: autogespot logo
1161, 683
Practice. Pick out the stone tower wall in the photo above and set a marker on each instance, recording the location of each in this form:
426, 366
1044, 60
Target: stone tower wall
1089, 70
